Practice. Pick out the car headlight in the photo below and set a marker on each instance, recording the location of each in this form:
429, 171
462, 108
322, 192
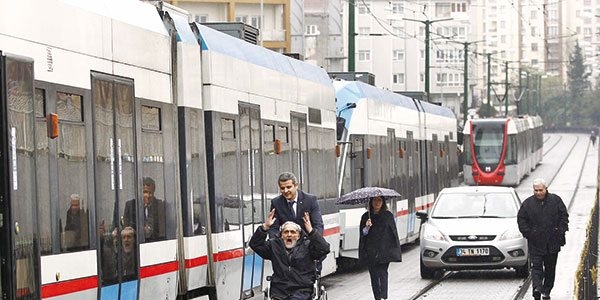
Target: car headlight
511, 234
431, 232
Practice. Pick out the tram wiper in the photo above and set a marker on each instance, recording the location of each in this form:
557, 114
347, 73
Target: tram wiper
444, 217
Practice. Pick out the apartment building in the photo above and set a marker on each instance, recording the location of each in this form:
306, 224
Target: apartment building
272, 17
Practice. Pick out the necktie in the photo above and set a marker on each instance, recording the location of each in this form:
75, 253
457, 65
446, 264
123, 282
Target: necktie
291, 204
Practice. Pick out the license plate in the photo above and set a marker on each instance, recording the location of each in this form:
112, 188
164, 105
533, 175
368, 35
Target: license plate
472, 251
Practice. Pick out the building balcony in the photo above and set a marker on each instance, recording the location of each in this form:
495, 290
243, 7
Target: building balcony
277, 35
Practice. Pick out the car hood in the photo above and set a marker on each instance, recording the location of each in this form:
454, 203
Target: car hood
475, 226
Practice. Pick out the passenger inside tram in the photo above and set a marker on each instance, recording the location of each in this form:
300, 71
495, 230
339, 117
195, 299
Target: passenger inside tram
75, 235
128, 243
153, 213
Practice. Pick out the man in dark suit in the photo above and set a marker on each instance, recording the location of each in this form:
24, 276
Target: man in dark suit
153, 213
292, 204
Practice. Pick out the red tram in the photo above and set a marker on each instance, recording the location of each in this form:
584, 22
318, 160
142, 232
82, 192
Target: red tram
501, 151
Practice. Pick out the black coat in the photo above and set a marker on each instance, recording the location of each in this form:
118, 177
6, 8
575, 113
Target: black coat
155, 219
293, 270
381, 244
543, 223
306, 203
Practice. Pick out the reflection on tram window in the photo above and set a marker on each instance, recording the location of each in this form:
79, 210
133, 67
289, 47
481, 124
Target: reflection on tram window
42, 177
157, 209
75, 235
196, 191
72, 172
21, 124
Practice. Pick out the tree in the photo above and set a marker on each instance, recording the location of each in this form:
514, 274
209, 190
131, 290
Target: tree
578, 83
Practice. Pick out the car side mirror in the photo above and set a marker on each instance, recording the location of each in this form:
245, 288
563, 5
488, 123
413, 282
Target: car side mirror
422, 214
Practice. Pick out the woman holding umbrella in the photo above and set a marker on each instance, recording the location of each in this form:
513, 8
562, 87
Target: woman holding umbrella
379, 244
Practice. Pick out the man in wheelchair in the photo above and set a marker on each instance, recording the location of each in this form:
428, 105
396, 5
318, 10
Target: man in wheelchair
293, 257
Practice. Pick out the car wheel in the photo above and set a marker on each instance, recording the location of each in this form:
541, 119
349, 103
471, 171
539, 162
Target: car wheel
426, 272
523, 271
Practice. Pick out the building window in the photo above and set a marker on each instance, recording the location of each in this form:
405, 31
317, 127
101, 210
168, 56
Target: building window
459, 7
534, 47
242, 19
398, 78
443, 9
312, 30
398, 55
397, 8
255, 21
533, 14
364, 7
364, 31
364, 55
201, 18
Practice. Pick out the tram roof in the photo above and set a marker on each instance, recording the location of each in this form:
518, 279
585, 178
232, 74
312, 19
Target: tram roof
352, 91
133, 12
213, 40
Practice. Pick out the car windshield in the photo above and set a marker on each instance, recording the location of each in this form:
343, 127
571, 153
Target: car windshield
479, 205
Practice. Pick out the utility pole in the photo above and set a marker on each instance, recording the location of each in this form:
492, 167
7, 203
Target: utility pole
351, 36
427, 23
466, 77
506, 89
489, 68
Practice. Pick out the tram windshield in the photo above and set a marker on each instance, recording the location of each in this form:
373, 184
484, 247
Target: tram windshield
487, 144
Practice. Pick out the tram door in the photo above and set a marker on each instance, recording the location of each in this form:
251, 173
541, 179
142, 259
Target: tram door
252, 191
19, 269
299, 140
116, 184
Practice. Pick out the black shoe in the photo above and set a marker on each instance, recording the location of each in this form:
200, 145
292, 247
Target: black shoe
546, 296
536, 294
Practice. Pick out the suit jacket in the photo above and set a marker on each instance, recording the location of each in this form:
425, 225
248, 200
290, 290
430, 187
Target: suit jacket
306, 203
155, 218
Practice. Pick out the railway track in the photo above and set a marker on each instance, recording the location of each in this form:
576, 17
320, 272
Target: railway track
524, 285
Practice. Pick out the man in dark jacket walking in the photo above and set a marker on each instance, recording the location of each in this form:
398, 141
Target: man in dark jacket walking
543, 219
292, 255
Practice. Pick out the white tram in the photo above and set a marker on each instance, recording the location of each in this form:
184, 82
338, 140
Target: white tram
393, 141
98, 96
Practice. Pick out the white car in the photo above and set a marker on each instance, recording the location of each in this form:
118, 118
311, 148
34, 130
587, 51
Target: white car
473, 227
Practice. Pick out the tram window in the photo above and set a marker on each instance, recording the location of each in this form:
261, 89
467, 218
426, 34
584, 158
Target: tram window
195, 177
40, 103
151, 118
283, 134
43, 205
227, 129
155, 204
72, 174
69, 107
269, 132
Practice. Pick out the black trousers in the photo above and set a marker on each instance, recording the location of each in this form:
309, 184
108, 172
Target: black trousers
379, 280
543, 271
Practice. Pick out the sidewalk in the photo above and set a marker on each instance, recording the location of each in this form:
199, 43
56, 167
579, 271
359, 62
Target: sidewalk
568, 258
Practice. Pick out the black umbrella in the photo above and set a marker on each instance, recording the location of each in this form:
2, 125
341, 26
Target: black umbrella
363, 195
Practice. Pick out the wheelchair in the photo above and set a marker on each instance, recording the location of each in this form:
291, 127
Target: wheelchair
319, 292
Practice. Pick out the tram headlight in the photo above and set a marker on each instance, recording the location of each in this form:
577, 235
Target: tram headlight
430, 232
